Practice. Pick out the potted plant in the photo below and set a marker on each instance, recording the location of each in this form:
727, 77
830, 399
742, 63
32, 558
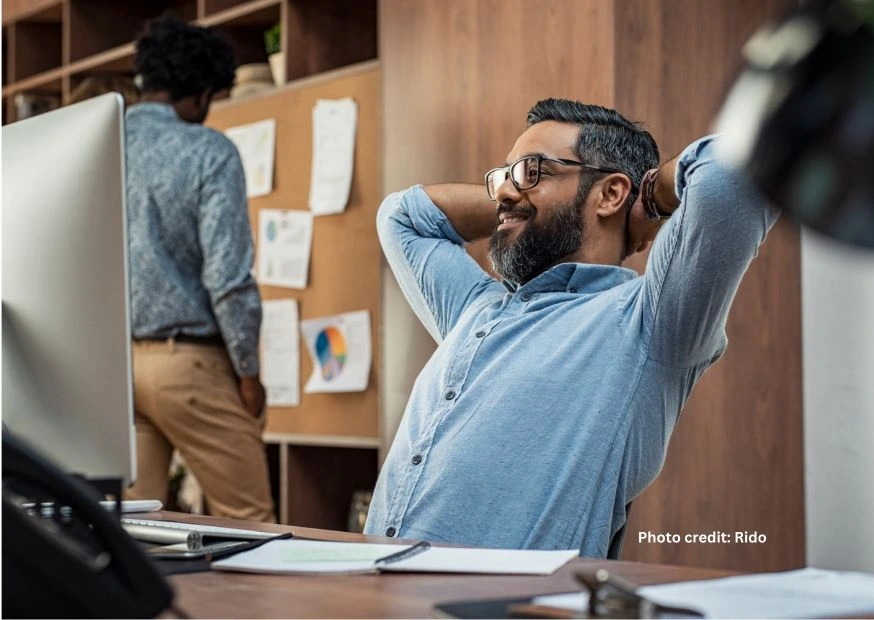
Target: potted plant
275, 54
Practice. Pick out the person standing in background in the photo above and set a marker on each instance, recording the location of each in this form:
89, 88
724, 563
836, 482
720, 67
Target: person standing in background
195, 307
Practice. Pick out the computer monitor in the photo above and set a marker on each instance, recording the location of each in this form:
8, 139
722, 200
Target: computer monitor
66, 327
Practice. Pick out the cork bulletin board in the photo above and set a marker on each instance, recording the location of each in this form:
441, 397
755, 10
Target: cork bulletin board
344, 273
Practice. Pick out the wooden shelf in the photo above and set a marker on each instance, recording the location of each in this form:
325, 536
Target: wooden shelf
327, 441
256, 12
47, 82
17, 10
116, 60
50, 45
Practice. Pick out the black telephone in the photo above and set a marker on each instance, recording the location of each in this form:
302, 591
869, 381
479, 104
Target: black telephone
77, 562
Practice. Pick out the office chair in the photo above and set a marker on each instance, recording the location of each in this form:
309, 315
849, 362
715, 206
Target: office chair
615, 548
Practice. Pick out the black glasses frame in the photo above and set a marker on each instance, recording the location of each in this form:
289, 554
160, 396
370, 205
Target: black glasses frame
540, 159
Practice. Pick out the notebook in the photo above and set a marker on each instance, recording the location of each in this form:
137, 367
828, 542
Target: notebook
299, 556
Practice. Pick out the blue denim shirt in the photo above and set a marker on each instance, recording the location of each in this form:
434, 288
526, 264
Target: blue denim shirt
191, 245
548, 407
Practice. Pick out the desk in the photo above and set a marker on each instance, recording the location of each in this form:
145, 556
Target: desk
218, 594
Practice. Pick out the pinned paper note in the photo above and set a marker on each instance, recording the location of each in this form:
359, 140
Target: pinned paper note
340, 349
280, 353
256, 143
285, 241
334, 122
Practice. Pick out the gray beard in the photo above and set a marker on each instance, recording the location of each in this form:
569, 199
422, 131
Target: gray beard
539, 246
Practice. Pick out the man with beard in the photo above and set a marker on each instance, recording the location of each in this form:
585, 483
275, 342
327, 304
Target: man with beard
549, 403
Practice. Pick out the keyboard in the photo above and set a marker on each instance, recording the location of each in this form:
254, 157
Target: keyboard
182, 529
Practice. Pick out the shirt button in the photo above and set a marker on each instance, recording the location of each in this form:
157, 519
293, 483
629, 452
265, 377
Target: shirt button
480, 334
450, 395
417, 459
525, 296
390, 532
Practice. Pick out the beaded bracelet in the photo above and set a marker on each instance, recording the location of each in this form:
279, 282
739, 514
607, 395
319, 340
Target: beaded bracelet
647, 195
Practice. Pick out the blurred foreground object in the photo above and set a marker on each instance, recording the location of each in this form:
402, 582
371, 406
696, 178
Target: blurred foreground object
800, 118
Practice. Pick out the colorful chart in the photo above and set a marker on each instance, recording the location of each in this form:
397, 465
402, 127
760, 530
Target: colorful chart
331, 349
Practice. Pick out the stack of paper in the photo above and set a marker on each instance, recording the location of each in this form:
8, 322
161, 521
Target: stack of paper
805, 593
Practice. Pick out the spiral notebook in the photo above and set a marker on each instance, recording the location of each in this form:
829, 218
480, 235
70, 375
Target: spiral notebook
299, 556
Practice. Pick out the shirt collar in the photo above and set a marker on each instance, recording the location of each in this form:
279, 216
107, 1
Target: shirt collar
576, 278
154, 109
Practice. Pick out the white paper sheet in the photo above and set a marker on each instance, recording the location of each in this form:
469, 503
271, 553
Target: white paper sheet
311, 556
256, 143
334, 123
340, 349
280, 353
285, 240
486, 561
805, 593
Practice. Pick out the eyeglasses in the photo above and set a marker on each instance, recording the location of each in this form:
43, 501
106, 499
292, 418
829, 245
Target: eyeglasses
525, 173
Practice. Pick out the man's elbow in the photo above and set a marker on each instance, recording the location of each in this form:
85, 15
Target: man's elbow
390, 215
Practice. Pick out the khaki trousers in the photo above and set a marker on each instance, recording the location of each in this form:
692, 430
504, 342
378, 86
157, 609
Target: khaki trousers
186, 396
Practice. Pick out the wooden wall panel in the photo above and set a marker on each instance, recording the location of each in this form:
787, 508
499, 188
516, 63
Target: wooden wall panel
459, 76
735, 460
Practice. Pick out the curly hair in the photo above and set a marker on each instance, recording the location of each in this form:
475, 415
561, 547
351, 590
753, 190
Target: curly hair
182, 59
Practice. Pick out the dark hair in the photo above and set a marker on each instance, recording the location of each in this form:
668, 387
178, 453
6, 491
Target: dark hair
606, 137
182, 59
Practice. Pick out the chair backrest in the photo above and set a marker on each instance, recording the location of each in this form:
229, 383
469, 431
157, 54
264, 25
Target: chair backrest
615, 548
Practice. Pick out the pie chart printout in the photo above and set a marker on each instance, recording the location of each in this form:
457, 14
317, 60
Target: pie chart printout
331, 351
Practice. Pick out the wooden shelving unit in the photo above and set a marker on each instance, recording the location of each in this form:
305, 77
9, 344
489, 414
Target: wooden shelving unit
317, 460
50, 46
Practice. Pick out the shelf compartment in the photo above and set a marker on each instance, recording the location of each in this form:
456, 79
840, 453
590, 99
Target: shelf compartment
328, 34
97, 26
321, 482
244, 26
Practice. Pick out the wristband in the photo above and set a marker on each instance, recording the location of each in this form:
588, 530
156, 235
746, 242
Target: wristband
647, 196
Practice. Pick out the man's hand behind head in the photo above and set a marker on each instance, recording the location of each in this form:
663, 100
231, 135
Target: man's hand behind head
641, 231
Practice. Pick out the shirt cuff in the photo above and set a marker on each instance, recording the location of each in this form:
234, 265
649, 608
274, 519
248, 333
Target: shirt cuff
427, 216
245, 365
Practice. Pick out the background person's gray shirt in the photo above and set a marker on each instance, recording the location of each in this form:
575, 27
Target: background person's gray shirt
548, 407
191, 246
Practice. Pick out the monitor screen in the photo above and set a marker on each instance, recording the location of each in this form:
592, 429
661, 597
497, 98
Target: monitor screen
66, 331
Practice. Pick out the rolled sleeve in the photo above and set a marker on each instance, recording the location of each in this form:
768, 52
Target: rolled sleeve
426, 254
700, 256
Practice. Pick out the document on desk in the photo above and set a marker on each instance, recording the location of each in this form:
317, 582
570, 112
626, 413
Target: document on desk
319, 557
805, 593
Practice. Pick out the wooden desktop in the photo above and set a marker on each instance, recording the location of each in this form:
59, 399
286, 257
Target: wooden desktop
217, 594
